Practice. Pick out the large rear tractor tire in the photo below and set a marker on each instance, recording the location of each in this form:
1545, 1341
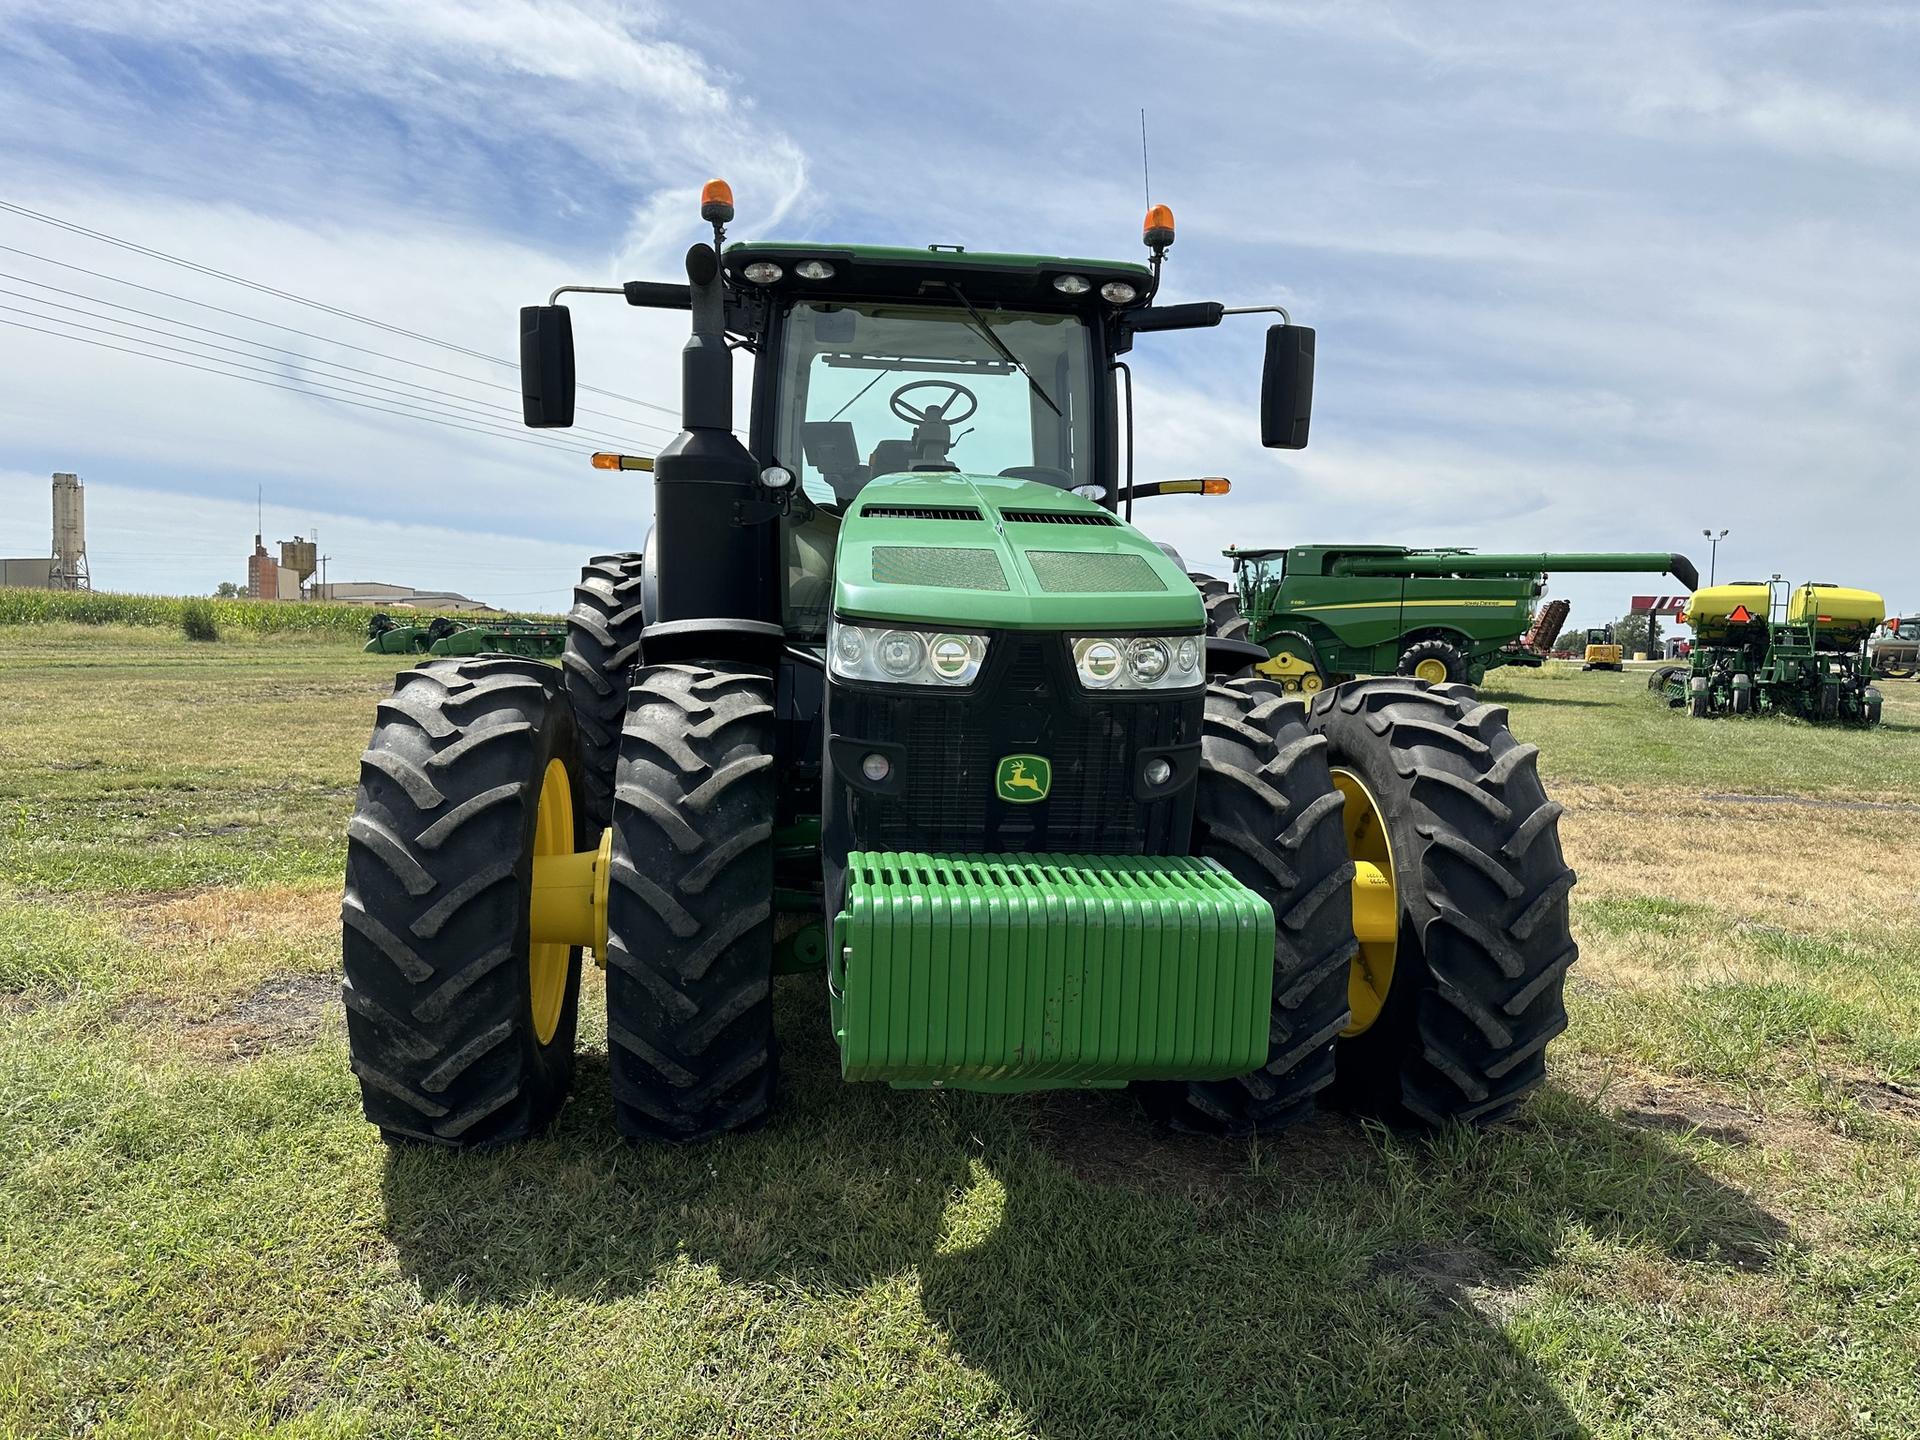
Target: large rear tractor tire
1223, 608
690, 905
461, 1031
1460, 903
1438, 662
1266, 809
603, 646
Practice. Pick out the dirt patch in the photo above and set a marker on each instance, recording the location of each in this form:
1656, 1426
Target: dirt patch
1683, 1112
288, 1012
1451, 1277
1814, 803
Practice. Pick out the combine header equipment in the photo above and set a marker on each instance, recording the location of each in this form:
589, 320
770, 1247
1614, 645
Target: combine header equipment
1776, 649
443, 636
1326, 613
894, 691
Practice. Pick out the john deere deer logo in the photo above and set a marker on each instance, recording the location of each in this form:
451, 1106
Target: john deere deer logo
1023, 779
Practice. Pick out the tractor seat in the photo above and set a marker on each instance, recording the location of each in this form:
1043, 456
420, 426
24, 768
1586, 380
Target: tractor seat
891, 456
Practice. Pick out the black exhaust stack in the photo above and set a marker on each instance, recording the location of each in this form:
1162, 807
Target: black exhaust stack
717, 539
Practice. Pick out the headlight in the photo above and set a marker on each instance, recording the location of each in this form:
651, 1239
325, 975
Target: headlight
762, 272
904, 657
1137, 662
1072, 284
1118, 292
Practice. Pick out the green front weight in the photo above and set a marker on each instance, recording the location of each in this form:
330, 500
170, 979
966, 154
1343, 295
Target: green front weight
1036, 972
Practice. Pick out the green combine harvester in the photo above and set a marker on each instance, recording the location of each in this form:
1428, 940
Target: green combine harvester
545, 640
895, 693
1326, 613
1772, 648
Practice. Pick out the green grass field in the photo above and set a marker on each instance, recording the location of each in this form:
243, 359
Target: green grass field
1707, 1224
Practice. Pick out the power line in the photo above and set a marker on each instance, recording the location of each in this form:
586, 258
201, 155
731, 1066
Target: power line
357, 387
293, 389
276, 325
289, 295
456, 402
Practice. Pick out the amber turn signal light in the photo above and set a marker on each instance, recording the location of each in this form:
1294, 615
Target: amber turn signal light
607, 460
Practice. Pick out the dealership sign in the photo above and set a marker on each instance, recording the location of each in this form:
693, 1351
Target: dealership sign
1660, 604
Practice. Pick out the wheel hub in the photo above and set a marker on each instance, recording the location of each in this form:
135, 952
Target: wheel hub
1376, 902
568, 904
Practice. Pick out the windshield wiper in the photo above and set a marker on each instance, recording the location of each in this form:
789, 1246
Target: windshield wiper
986, 333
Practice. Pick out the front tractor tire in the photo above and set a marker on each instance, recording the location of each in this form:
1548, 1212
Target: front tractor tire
1266, 809
690, 905
1464, 935
461, 1031
603, 646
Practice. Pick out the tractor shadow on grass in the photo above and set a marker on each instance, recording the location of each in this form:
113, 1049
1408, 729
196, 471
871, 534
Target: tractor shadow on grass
1110, 1278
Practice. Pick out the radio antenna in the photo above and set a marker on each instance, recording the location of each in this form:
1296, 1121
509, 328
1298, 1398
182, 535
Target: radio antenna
1146, 178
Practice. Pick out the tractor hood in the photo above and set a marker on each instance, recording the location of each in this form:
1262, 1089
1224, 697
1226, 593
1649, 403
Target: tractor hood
987, 552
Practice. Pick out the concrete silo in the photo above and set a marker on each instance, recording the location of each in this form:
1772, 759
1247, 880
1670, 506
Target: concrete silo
69, 534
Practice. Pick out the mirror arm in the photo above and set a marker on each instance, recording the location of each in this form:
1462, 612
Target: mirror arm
554, 298
1280, 310
651, 293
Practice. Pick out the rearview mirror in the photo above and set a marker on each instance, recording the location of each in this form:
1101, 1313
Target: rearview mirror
546, 366
1286, 387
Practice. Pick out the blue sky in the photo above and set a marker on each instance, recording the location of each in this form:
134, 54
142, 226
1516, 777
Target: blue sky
1588, 278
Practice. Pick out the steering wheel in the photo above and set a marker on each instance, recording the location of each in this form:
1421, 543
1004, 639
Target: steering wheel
919, 415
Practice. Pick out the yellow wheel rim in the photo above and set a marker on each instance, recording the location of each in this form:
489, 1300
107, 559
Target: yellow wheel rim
1376, 902
1434, 672
547, 965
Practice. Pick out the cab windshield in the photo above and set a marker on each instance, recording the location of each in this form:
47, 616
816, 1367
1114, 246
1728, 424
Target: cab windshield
871, 389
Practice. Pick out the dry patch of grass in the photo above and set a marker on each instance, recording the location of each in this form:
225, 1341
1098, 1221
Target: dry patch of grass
214, 942
287, 1012
1805, 867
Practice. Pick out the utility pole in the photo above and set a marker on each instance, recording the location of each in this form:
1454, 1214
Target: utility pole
1713, 554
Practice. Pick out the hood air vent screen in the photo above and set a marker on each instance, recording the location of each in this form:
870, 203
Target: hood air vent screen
1070, 570
1059, 517
922, 512
937, 567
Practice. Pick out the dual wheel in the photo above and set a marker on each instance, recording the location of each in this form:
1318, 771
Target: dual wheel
1413, 863
475, 882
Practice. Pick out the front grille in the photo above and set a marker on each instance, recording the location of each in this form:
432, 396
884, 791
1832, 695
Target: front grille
1027, 701
1059, 517
922, 512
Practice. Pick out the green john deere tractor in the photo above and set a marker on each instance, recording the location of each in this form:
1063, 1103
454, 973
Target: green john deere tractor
895, 692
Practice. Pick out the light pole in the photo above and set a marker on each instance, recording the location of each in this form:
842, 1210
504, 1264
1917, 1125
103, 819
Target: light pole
1713, 554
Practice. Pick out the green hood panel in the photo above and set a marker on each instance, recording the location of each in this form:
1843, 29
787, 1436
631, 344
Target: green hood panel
991, 553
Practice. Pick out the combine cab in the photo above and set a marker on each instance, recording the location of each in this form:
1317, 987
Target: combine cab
895, 692
1775, 649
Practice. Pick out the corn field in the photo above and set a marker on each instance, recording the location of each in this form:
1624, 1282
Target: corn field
258, 617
